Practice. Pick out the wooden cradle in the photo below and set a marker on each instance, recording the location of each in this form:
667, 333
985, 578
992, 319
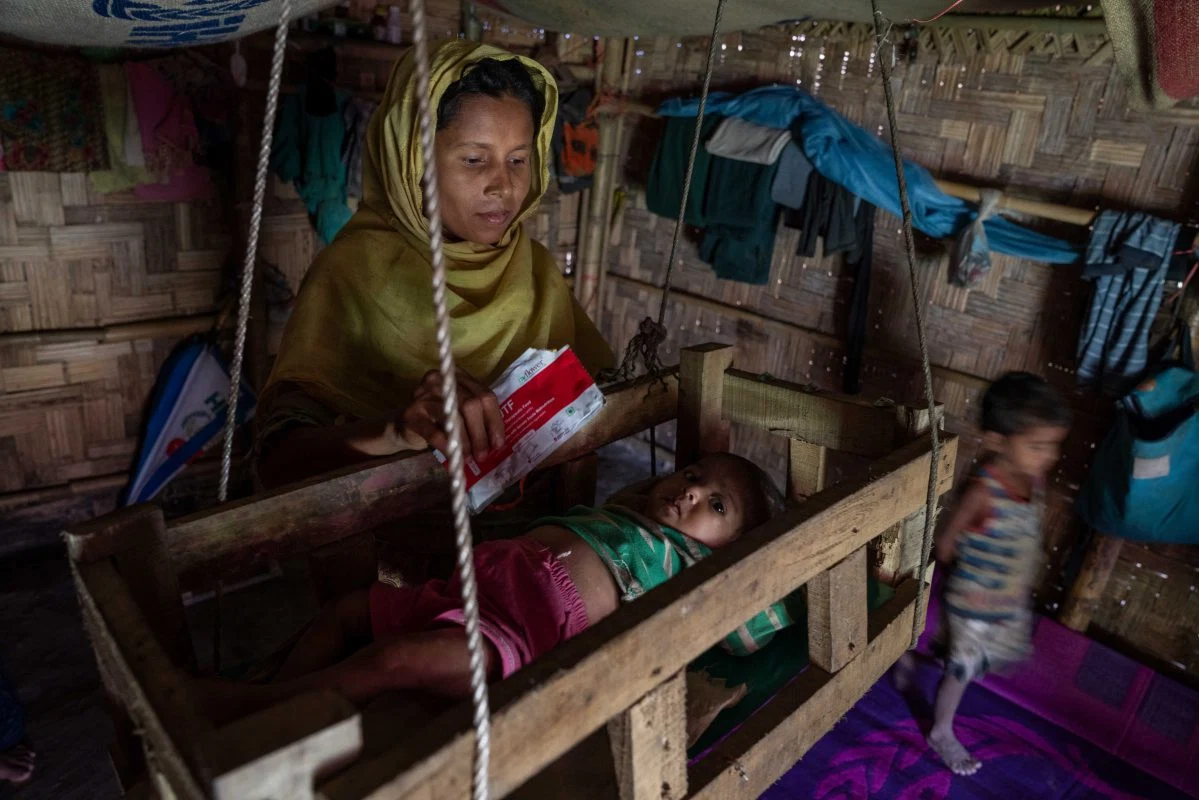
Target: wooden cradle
127, 567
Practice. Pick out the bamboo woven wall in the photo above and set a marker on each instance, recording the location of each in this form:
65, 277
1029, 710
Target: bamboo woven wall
1051, 126
95, 290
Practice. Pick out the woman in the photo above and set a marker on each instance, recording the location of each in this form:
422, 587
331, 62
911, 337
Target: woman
355, 377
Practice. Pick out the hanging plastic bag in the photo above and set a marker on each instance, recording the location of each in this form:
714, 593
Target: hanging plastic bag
187, 412
1144, 479
971, 253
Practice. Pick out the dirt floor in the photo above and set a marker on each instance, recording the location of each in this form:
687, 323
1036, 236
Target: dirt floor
47, 657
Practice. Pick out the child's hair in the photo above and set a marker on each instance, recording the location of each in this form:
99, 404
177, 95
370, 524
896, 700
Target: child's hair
766, 499
1018, 401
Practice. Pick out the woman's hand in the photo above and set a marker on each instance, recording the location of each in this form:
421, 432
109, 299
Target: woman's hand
479, 416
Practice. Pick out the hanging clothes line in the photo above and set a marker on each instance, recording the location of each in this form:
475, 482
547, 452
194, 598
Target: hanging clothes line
963, 191
860, 161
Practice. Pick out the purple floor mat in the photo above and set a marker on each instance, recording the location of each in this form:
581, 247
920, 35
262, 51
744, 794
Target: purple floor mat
878, 751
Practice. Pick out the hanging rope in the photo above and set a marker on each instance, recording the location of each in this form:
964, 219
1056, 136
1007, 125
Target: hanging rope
247, 270
453, 433
881, 28
644, 348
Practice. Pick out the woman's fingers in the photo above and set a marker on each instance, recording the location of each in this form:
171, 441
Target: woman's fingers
492, 418
478, 409
474, 432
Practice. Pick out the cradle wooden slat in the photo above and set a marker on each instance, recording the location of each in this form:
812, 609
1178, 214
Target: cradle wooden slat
625, 672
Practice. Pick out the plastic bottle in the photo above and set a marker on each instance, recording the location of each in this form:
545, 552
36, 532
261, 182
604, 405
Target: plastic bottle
394, 28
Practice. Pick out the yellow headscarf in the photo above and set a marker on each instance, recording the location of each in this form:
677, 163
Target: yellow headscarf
362, 334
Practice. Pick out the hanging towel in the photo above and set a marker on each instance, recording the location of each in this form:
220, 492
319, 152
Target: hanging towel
791, 181
307, 152
120, 129
827, 213
357, 117
1114, 346
744, 141
664, 191
170, 139
742, 220
860, 259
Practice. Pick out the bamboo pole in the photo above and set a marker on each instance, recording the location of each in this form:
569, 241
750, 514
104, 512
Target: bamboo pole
1035, 208
1087, 592
587, 286
149, 329
1086, 26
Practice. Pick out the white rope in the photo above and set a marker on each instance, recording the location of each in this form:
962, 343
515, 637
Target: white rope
453, 432
247, 270
881, 28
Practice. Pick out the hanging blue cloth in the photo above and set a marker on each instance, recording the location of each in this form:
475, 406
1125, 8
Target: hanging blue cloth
863, 163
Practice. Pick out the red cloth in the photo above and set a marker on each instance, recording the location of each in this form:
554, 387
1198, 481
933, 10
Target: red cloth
527, 603
169, 138
1157, 48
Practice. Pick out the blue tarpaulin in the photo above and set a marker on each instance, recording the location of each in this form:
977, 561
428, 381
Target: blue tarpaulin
863, 163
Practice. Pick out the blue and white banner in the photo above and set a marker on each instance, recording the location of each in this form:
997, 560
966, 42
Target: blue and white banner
144, 23
187, 414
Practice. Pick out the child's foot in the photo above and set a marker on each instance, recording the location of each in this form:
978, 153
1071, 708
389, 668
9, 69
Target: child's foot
16, 765
951, 751
905, 669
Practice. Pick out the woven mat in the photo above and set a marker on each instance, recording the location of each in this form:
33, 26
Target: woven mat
51, 119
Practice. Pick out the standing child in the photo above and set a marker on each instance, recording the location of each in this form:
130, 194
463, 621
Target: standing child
991, 545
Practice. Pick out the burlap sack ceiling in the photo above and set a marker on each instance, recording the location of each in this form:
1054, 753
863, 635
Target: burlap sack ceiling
694, 17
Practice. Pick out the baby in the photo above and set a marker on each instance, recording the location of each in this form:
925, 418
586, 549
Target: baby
535, 591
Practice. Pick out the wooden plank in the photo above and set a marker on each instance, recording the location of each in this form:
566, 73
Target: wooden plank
282, 751
777, 735
155, 692
323, 509
135, 538
837, 606
343, 566
895, 556
807, 468
649, 744
576, 482
552, 705
835, 421
701, 396
1086, 593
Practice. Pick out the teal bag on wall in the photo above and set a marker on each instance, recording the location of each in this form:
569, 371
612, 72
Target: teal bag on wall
1144, 480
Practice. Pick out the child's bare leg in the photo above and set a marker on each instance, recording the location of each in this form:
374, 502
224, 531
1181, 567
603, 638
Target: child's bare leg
433, 661
905, 670
337, 630
941, 738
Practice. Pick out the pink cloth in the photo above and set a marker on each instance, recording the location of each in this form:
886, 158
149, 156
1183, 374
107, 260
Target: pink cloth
169, 138
527, 603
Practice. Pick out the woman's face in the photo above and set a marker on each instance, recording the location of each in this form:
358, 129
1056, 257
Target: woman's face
484, 167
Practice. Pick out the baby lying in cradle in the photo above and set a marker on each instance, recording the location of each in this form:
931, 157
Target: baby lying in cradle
535, 591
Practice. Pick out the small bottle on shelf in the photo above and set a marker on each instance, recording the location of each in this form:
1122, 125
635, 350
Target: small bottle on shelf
394, 29
379, 24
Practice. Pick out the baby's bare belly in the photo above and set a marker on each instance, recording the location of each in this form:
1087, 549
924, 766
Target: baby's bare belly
591, 577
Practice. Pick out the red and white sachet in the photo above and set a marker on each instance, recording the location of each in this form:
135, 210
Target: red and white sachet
545, 397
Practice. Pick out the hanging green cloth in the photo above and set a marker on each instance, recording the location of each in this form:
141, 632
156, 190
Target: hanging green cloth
308, 152
729, 199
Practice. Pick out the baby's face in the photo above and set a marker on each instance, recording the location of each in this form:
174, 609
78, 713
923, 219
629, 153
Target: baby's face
708, 501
